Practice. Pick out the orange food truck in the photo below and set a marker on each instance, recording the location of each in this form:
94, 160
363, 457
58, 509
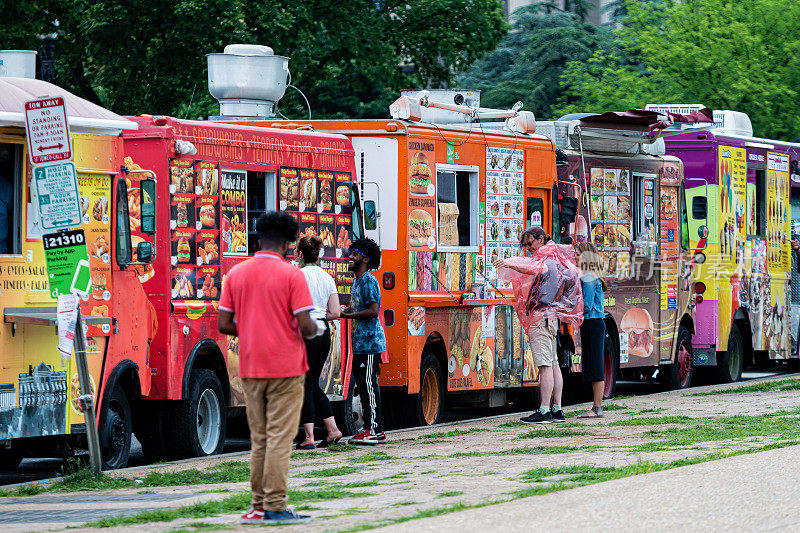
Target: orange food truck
443, 198
39, 389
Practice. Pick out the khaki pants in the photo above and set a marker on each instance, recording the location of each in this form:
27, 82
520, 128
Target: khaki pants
273, 414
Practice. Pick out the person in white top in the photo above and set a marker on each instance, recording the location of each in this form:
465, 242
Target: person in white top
326, 307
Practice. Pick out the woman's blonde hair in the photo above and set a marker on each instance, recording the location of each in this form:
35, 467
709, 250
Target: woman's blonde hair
590, 260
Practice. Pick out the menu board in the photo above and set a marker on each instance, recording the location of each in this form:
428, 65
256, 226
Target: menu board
421, 195
320, 202
95, 206
233, 212
505, 204
194, 227
778, 211
610, 217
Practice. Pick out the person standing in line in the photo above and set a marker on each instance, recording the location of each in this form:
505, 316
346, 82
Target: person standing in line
369, 340
593, 328
326, 307
552, 292
266, 303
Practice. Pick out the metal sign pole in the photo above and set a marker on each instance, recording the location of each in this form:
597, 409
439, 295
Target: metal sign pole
90, 418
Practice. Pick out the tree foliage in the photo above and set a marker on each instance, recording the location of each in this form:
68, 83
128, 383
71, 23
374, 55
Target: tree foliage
349, 57
725, 55
528, 63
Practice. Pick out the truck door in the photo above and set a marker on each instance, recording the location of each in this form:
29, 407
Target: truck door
538, 208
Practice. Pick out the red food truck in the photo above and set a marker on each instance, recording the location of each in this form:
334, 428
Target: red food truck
213, 181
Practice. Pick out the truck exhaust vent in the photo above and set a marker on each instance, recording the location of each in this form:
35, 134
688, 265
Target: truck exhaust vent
247, 80
470, 98
18, 64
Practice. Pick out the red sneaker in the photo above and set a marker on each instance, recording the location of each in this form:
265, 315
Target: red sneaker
368, 437
253, 516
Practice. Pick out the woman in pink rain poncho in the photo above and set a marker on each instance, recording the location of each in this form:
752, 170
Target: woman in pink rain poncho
547, 289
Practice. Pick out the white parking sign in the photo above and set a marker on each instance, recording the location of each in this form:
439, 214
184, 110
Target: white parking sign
47, 130
57, 195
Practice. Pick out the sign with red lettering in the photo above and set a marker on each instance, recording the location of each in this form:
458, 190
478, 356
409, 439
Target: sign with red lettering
47, 130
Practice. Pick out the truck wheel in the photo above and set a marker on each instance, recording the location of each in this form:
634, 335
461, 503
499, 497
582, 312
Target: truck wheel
610, 365
150, 430
428, 405
678, 375
10, 459
730, 362
348, 413
116, 430
198, 423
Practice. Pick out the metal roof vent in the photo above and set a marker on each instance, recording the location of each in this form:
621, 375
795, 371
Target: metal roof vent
459, 97
18, 64
248, 80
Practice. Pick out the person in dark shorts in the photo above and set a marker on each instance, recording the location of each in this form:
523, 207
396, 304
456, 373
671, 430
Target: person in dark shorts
593, 328
369, 340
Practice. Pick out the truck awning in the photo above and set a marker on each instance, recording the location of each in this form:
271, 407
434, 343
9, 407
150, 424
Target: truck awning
82, 115
647, 120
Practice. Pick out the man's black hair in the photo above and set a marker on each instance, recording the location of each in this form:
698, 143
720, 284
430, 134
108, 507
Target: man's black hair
276, 227
370, 249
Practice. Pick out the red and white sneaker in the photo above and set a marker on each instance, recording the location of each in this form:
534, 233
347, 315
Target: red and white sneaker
369, 438
253, 516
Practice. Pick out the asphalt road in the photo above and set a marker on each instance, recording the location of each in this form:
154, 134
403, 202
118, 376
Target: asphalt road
43, 468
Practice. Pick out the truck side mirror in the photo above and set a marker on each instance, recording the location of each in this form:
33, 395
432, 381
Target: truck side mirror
148, 207
370, 215
568, 208
699, 207
144, 252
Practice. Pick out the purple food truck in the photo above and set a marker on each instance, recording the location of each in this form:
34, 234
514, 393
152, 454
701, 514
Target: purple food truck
743, 193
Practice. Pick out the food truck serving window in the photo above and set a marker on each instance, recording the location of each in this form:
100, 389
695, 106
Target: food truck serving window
10, 193
457, 199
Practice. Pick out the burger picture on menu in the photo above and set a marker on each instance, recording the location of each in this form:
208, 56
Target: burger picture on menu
638, 325
419, 175
420, 227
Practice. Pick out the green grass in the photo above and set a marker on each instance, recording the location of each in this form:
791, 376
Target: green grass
356, 484
371, 457
200, 526
511, 424
307, 454
229, 505
576, 472
453, 433
398, 475
764, 386
331, 472
610, 406
542, 450
339, 448
654, 410
553, 433
450, 493
653, 421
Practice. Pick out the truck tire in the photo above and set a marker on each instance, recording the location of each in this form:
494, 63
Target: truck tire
731, 361
150, 429
9, 459
116, 430
198, 422
348, 413
610, 365
426, 408
678, 375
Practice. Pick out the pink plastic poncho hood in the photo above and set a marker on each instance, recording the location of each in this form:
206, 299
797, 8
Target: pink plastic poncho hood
549, 285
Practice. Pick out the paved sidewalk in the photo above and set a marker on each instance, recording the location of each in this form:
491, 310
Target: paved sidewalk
754, 492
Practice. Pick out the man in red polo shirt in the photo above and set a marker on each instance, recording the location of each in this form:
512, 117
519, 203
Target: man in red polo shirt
270, 301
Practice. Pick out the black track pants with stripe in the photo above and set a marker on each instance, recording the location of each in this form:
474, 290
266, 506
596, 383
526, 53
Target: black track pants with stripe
365, 374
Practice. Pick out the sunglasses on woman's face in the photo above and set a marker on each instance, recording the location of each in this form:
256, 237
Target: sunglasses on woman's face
527, 244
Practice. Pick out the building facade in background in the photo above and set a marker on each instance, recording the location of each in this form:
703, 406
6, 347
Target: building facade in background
597, 14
